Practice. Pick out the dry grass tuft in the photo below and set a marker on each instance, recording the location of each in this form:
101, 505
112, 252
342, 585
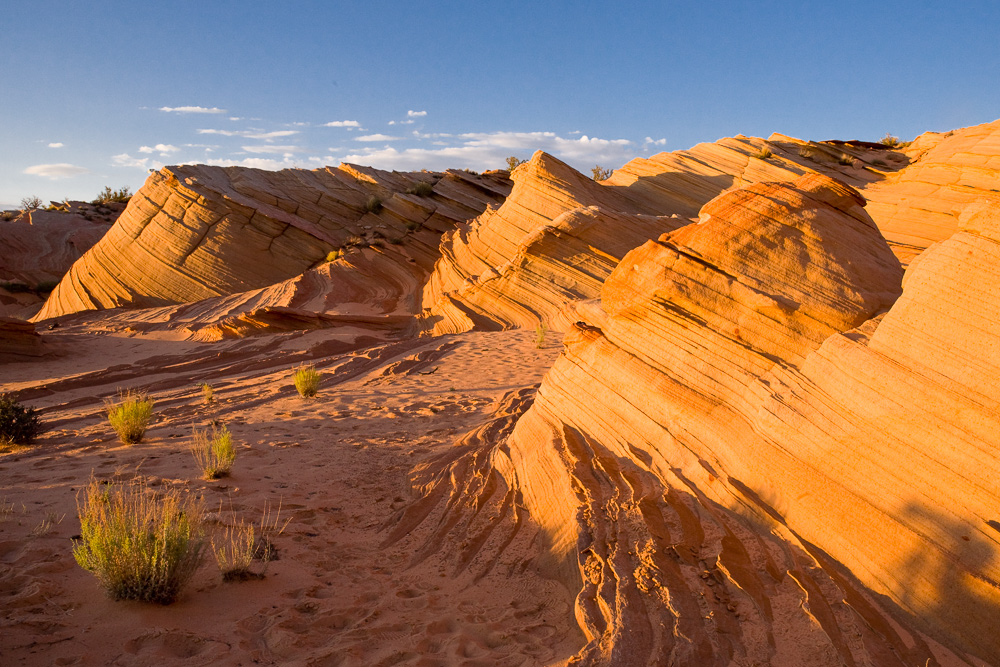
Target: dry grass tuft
130, 415
207, 392
140, 546
241, 543
306, 381
215, 452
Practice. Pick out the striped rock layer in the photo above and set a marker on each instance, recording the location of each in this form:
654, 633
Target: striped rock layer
754, 427
558, 235
199, 232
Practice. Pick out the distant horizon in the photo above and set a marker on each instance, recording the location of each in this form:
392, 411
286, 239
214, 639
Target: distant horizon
102, 95
501, 165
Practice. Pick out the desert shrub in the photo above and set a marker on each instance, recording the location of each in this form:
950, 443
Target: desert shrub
890, 141
214, 451
846, 159
421, 189
413, 226
306, 380
540, 330
140, 546
373, 205
513, 163
241, 543
7, 216
31, 203
396, 240
355, 240
332, 255
130, 415
600, 173
18, 425
763, 154
108, 195
207, 392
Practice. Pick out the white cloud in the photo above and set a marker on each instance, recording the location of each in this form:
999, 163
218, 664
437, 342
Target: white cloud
415, 114
56, 144
343, 123
162, 149
273, 164
126, 160
655, 142
268, 148
377, 137
235, 118
56, 171
251, 134
489, 150
193, 109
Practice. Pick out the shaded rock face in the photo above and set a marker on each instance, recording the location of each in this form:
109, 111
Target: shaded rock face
40, 246
198, 232
18, 340
749, 368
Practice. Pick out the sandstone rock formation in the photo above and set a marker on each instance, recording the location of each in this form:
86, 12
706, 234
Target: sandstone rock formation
197, 232
18, 340
747, 366
40, 246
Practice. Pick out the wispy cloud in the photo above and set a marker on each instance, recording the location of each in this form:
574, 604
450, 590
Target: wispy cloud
377, 137
649, 141
162, 149
251, 134
269, 148
126, 160
192, 109
485, 150
56, 171
415, 114
56, 144
342, 123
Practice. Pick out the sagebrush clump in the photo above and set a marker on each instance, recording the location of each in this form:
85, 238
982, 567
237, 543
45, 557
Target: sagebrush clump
130, 415
140, 545
19, 425
421, 189
214, 451
108, 195
306, 380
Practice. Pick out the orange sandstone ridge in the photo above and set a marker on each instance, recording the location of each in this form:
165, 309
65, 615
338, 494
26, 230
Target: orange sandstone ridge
762, 442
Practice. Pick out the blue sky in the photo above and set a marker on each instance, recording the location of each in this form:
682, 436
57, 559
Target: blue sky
98, 93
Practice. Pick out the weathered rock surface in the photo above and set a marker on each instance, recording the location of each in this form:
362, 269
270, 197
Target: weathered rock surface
18, 340
40, 246
197, 232
745, 365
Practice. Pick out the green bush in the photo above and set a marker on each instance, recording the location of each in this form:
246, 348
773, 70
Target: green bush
890, 141
513, 163
215, 452
332, 255
130, 415
306, 380
140, 546
600, 173
18, 425
108, 195
421, 189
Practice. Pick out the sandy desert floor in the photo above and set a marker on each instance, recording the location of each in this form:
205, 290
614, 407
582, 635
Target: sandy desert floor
341, 592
